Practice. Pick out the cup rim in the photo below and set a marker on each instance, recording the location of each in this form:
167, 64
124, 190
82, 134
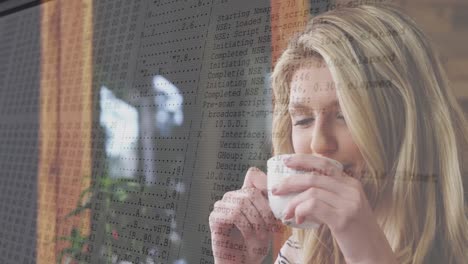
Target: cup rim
279, 158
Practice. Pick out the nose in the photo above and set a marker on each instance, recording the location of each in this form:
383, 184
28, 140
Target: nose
323, 139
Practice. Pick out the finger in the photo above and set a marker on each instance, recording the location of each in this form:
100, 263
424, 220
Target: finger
309, 162
231, 216
250, 211
256, 178
300, 183
321, 212
267, 223
329, 198
254, 222
245, 201
220, 225
219, 217
261, 205
224, 230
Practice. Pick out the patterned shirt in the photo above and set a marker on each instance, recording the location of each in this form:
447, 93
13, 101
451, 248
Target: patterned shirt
290, 252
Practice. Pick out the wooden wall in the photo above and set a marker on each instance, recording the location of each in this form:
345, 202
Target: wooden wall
65, 121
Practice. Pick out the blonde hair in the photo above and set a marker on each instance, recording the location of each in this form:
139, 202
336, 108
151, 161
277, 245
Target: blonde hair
402, 115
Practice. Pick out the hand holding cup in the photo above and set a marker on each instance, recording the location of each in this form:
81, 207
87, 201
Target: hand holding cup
277, 173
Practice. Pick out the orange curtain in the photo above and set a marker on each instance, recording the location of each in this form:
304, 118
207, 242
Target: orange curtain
65, 121
287, 18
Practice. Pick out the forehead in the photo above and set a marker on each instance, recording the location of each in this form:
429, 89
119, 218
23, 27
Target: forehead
312, 87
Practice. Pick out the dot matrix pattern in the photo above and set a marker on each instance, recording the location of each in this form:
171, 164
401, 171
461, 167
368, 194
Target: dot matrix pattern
165, 218
177, 42
19, 101
162, 156
7, 5
115, 34
161, 214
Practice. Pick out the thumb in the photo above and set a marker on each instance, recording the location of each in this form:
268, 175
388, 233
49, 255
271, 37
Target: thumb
257, 179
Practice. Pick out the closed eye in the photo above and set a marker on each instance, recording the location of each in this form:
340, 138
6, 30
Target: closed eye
305, 121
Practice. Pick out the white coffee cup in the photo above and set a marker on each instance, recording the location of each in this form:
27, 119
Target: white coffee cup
277, 171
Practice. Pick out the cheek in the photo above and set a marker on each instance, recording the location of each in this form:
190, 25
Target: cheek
348, 147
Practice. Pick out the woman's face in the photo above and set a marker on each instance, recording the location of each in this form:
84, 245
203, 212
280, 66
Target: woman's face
318, 125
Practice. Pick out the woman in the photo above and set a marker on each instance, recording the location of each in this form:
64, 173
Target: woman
362, 86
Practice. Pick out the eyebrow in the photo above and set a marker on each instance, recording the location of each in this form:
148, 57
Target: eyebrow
300, 105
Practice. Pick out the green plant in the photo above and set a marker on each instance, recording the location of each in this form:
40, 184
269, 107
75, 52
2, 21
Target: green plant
98, 199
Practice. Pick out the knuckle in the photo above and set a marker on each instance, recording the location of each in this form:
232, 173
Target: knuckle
237, 206
253, 169
222, 210
228, 195
312, 191
216, 205
215, 221
250, 173
232, 197
311, 204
